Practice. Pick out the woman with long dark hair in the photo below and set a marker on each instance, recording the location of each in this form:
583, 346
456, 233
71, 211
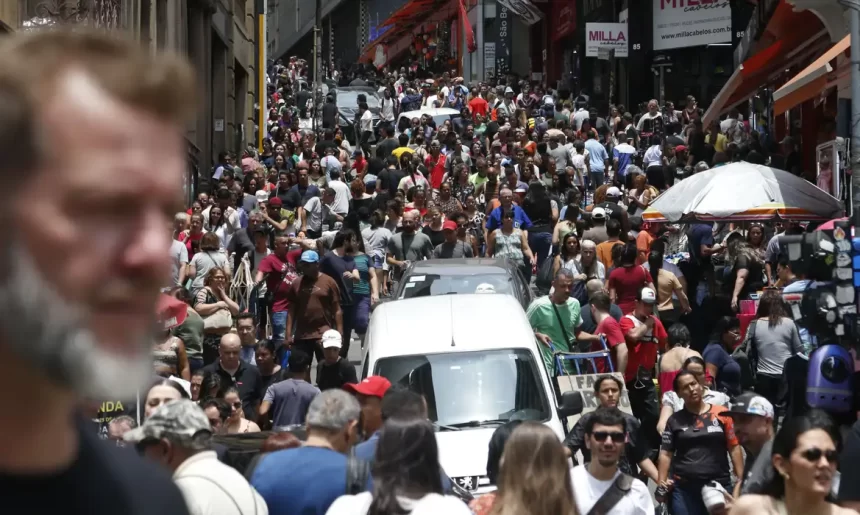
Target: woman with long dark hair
804, 458
538, 207
626, 281
405, 475
483, 504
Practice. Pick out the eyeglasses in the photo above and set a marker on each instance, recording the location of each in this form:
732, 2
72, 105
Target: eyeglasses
601, 436
814, 454
237, 404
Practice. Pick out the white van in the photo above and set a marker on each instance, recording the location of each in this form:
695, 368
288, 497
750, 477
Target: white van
475, 360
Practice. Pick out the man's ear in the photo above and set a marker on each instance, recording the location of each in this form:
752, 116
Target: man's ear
587, 441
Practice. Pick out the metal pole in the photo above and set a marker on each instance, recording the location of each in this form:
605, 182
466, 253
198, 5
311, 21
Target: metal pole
317, 63
854, 8
262, 90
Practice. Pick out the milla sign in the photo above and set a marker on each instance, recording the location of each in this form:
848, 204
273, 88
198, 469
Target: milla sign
611, 36
686, 23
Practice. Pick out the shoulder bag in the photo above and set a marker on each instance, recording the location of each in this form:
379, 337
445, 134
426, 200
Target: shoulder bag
620, 487
221, 319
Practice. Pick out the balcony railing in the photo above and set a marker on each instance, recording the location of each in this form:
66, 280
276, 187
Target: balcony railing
102, 14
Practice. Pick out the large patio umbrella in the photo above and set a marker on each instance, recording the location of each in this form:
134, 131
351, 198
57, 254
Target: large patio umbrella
743, 191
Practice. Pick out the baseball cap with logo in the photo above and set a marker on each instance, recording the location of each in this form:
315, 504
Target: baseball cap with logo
181, 417
647, 296
373, 386
598, 214
613, 192
310, 256
331, 338
750, 403
171, 311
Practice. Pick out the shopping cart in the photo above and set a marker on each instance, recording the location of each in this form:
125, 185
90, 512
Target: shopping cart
583, 362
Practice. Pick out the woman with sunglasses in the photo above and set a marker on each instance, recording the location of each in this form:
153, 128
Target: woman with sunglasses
237, 423
695, 447
804, 459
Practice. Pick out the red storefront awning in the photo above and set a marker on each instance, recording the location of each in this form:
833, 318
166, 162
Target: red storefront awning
792, 36
400, 22
812, 81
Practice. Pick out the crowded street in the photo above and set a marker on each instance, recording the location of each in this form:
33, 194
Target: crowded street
509, 266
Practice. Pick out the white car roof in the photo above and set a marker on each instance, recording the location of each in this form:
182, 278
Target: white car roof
449, 323
436, 111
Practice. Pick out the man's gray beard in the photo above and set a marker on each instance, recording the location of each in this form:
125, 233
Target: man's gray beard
50, 334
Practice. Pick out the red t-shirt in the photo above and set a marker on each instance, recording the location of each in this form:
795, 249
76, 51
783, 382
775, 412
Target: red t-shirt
614, 337
437, 170
478, 106
644, 351
627, 282
188, 239
280, 274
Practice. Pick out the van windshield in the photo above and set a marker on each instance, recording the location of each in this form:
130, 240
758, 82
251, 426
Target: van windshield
428, 285
472, 389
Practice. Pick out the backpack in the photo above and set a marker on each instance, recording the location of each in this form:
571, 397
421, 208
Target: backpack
829, 383
747, 357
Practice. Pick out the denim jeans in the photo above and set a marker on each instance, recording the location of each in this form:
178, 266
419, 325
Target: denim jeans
279, 327
541, 245
597, 178
362, 312
686, 499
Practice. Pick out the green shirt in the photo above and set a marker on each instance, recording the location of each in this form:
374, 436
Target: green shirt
362, 264
543, 319
191, 334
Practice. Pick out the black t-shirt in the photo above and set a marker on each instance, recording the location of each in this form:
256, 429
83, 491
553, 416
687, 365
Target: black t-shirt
297, 196
699, 444
302, 99
329, 114
754, 280
335, 376
334, 266
103, 480
849, 466
436, 237
389, 179
323, 145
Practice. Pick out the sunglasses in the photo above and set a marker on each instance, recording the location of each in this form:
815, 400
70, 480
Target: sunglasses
237, 404
814, 454
601, 436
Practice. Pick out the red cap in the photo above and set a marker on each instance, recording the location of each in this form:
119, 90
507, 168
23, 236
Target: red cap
449, 225
275, 202
373, 386
171, 311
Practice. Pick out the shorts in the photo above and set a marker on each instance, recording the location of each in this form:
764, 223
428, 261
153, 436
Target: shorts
376, 262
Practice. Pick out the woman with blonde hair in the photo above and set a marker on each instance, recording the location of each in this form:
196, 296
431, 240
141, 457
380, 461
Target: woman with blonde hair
534, 478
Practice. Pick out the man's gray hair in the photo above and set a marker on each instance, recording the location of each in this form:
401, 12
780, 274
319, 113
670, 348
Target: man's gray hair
563, 273
125, 419
202, 441
180, 217
332, 410
701, 166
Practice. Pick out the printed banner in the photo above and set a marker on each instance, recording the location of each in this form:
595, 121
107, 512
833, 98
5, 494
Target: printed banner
523, 9
584, 384
611, 36
504, 40
687, 23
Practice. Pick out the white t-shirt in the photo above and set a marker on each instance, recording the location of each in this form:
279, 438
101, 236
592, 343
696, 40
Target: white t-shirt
212, 488
431, 504
341, 197
367, 121
588, 491
178, 258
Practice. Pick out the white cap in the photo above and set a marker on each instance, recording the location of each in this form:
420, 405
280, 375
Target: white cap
598, 214
331, 338
613, 192
262, 196
647, 296
508, 90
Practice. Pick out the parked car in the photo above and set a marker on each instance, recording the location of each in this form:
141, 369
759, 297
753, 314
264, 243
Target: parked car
439, 115
456, 276
346, 99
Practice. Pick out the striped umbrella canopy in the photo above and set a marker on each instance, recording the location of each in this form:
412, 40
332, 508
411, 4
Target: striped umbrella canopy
743, 191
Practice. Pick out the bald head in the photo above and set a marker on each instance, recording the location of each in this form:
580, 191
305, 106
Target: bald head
228, 351
593, 286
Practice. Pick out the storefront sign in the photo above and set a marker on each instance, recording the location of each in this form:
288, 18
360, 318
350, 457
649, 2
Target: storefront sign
687, 23
504, 40
563, 20
489, 57
525, 10
612, 36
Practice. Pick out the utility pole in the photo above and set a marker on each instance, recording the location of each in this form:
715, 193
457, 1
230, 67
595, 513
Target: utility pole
853, 8
317, 61
262, 89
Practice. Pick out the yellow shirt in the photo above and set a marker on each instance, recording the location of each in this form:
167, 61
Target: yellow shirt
399, 151
720, 145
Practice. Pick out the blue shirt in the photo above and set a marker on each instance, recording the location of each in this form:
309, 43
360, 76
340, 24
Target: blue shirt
521, 219
300, 481
597, 155
367, 451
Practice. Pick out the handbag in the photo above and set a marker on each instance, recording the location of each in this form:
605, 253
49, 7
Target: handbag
221, 319
543, 280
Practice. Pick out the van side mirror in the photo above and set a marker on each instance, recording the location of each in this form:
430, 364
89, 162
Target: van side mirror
571, 404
